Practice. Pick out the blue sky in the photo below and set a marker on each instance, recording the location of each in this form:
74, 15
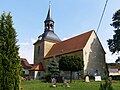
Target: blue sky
71, 18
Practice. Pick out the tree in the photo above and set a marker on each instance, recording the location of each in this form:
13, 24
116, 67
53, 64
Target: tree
53, 68
10, 67
106, 86
70, 63
114, 44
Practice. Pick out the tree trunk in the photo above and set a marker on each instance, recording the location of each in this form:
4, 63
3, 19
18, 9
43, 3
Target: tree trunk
70, 76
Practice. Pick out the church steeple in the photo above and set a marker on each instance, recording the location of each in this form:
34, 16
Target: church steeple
49, 15
49, 29
49, 23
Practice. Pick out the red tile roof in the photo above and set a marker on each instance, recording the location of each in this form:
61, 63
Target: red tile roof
70, 45
25, 64
37, 67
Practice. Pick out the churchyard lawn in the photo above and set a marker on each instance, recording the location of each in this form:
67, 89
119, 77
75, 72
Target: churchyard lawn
75, 85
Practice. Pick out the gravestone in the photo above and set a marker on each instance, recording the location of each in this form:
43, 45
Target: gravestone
97, 78
87, 79
53, 82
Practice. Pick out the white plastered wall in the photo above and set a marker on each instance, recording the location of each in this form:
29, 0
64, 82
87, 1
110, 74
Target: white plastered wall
94, 56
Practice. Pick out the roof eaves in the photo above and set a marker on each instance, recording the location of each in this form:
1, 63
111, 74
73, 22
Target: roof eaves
63, 53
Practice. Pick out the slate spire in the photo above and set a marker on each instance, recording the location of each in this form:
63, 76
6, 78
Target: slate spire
49, 23
49, 15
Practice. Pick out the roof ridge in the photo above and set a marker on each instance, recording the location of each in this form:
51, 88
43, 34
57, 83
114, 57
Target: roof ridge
76, 36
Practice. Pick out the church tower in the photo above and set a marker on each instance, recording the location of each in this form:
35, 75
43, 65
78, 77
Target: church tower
46, 40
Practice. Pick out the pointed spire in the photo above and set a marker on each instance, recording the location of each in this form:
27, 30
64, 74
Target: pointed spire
49, 28
49, 15
49, 23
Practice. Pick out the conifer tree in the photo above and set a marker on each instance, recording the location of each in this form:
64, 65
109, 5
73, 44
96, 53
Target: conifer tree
10, 67
53, 68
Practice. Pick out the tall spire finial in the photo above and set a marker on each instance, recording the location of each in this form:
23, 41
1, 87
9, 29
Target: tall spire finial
49, 23
49, 3
49, 15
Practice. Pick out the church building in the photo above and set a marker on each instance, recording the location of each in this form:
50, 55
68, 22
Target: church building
49, 45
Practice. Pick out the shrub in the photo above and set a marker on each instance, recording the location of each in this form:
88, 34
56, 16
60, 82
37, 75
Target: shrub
106, 86
48, 77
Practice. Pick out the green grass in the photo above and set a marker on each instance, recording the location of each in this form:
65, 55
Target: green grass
75, 85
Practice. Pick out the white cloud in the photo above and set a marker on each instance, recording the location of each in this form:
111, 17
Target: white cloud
26, 50
28, 54
110, 58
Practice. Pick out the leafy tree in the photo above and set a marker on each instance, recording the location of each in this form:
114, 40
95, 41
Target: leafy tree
53, 68
70, 63
114, 44
10, 68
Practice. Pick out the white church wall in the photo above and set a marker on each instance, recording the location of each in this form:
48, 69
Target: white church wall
35, 76
94, 56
